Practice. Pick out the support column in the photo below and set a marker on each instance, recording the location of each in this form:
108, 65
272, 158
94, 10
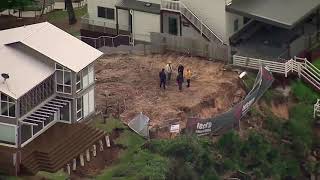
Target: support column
101, 145
81, 160
161, 21
88, 155
94, 150
318, 23
117, 21
107, 141
74, 164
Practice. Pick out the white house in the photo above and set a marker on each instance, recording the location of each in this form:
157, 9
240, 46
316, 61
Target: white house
275, 24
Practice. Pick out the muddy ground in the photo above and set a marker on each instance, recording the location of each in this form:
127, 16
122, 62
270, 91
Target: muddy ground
133, 81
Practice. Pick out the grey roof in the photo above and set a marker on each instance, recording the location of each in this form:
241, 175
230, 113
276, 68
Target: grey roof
139, 6
282, 13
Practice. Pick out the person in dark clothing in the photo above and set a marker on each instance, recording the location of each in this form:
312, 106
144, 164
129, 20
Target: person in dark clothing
180, 69
180, 80
163, 77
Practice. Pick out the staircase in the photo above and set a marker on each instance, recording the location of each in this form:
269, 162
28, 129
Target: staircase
52, 156
179, 7
301, 66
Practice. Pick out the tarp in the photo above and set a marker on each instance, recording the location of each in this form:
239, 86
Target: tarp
227, 120
140, 125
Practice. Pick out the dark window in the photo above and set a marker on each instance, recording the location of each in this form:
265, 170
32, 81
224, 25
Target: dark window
173, 26
236, 25
106, 13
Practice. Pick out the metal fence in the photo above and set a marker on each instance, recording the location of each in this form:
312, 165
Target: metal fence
160, 43
111, 41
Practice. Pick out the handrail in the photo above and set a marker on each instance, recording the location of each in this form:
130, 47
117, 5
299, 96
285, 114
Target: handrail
181, 12
301, 66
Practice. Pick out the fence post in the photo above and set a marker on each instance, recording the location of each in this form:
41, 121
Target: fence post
95, 43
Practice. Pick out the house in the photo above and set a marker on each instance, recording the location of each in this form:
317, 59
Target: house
271, 29
47, 78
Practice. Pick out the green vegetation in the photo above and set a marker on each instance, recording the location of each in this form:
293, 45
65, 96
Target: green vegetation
110, 125
60, 15
60, 175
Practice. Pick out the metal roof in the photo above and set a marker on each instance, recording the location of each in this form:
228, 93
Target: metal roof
24, 50
139, 6
282, 13
54, 43
26, 70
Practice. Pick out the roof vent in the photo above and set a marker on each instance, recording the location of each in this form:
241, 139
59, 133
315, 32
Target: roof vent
5, 76
147, 4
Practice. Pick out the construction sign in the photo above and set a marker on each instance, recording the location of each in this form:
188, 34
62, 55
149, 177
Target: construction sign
227, 120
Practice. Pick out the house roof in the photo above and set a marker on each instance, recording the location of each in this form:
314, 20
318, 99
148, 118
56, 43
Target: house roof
25, 70
139, 6
54, 43
26, 51
282, 13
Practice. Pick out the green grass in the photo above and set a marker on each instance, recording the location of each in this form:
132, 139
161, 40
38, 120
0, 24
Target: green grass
59, 15
60, 175
129, 139
316, 63
10, 178
304, 93
111, 124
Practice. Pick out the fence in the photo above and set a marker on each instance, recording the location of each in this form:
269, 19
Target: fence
111, 41
160, 43
301, 66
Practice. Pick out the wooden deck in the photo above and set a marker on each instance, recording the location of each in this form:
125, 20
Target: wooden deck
58, 146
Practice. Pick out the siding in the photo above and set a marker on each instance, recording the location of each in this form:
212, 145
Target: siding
93, 14
143, 24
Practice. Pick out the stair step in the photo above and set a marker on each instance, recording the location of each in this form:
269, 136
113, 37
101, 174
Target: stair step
56, 158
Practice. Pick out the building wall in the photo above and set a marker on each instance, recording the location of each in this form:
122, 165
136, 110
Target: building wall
165, 21
152, 1
212, 13
143, 24
230, 19
95, 20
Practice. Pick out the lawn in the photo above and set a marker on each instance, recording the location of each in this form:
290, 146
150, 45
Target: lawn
59, 15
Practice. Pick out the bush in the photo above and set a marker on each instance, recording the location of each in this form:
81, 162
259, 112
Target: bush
304, 93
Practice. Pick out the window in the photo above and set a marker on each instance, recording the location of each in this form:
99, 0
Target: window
85, 105
236, 25
63, 79
7, 106
107, 13
245, 20
79, 108
85, 78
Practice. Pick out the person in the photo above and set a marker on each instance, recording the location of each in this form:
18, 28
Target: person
168, 69
180, 69
180, 80
188, 77
162, 76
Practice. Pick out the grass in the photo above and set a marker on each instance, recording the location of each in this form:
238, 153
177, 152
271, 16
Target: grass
110, 125
128, 139
60, 175
316, 63
59, 15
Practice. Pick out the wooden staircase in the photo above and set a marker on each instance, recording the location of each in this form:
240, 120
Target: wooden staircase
51, 156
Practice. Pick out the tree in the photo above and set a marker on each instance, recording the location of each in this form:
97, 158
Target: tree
15, 4
72, 16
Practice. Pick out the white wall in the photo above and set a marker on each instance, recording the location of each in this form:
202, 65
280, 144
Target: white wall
152, 1
230, 18
143, 24
212, 13
93, 14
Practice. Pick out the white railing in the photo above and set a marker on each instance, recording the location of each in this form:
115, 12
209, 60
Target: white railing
178, 6
228, 2
301, 66
316, 108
